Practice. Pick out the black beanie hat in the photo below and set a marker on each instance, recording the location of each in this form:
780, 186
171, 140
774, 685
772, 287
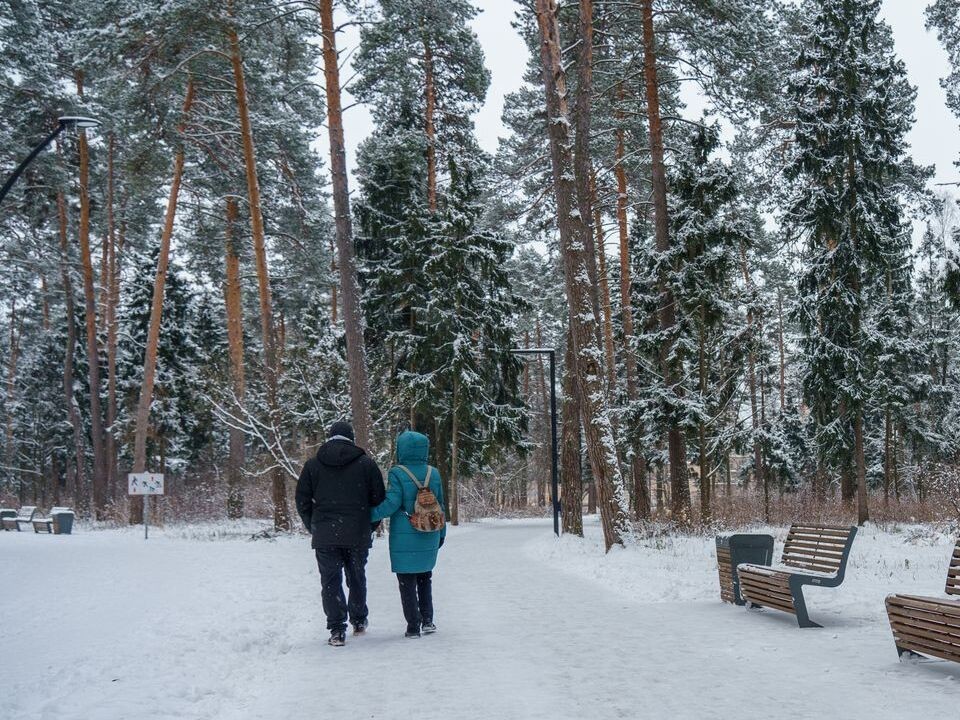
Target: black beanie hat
341, 427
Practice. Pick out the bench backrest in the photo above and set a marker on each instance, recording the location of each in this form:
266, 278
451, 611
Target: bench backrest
953, 572
820, 548
27, 512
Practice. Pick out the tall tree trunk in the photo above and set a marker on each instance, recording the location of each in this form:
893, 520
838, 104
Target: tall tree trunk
430, 92
582, 167
863, 511
142, 422
455, 457
574, 233
281, 512
783, 361
604, 289
45, 309
234, 312
758, 469
93, 350
641, 492
705, 509
676, 449
887, 447
111, 293
349, 288
571, 472
12, 381
73, 412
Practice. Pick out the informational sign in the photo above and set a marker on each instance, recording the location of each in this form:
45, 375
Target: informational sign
145, 484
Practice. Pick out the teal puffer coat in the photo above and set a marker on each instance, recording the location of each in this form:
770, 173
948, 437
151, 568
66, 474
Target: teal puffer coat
411, 551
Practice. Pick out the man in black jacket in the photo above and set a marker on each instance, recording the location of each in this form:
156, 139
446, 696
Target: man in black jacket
335, 492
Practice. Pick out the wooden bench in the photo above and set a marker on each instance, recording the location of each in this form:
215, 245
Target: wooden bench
928, 625
24, 515
50, 524
812, 555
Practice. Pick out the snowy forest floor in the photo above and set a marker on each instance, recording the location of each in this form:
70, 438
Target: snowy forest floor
199, 622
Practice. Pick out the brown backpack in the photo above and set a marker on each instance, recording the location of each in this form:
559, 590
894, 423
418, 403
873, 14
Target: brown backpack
427, 514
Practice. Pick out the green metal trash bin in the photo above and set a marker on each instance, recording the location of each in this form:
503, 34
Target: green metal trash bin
62, 522
733, 550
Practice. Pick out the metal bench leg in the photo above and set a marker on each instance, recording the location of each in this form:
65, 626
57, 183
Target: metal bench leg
803, 619
904, 653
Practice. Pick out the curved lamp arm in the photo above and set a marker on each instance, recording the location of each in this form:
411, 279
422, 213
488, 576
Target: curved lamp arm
62, 123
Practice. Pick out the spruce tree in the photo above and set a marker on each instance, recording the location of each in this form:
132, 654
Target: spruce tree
853, 109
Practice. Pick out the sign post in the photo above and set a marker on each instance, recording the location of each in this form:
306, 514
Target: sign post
145, 484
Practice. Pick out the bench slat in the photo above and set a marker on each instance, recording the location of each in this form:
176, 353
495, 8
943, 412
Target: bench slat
825, 531
947, 633
918, 640
953, 572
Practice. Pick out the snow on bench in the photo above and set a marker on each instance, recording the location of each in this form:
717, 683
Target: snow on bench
928, 625
812, 555
24, 515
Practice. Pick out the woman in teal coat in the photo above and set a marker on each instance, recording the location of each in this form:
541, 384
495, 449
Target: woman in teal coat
413, 554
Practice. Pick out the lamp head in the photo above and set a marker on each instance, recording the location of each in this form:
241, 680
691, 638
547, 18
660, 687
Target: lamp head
77, 121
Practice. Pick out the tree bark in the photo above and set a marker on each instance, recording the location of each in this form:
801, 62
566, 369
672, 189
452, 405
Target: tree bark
641, 491
430, 92
783, 360
281, 512
571, 472
454, 457
112, 295
45, 308
705, 509
349, 288
676, 448
582, 167
73, 412
574, 233
759, 472
12, 382
234, 312
604, 289
93, 350
887, 446
142, 422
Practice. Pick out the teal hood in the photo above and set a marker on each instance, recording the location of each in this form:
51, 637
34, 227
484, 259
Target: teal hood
412, 448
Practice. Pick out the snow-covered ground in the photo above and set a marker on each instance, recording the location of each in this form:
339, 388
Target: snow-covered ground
199, 622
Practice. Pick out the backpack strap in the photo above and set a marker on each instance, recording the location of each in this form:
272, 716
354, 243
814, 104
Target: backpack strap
426, 482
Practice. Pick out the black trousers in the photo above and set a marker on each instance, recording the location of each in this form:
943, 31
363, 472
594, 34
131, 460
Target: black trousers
334, 563
416, 594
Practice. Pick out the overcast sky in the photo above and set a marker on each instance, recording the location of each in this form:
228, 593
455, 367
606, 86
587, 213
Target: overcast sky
935, 137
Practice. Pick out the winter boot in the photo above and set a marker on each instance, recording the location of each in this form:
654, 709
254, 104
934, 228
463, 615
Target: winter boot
337, 638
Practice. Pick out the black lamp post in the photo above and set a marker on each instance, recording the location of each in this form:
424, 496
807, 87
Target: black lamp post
67, 121
554, 470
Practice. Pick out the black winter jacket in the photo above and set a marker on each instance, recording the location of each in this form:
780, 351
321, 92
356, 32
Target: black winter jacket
335, 492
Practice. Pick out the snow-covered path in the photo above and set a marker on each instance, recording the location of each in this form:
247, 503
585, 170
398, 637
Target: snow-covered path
103, 625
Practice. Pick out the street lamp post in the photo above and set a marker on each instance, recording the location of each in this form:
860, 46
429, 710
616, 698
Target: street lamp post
554, 469
67, 121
